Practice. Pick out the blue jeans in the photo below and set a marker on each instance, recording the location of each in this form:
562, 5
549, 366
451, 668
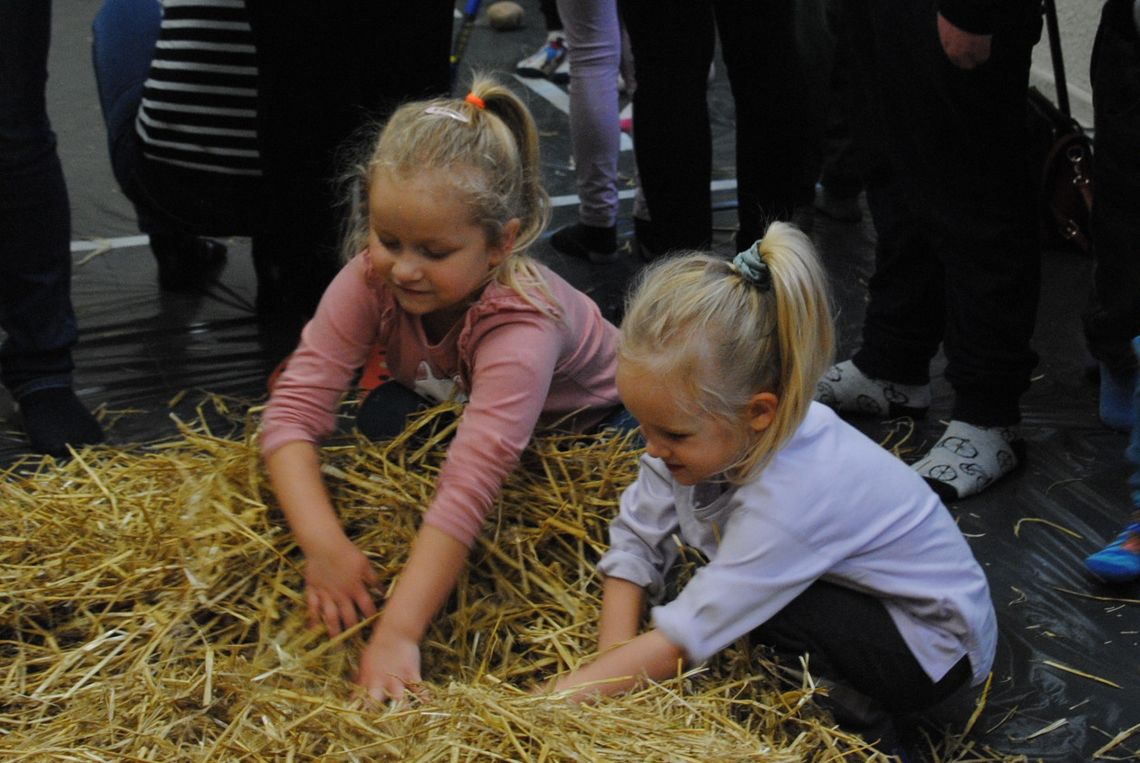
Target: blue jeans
168, 200
1113, 315
35, 218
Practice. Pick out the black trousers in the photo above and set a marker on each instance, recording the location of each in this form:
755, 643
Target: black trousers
851, 639
1113, 317
673, 43
325, 70
957, 260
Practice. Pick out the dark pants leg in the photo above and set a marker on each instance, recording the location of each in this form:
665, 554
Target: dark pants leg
549, 11
1113, 317
384, 413
35, 222
851, 639
769, 88
954, 195
843, 171
673, 44
326, 70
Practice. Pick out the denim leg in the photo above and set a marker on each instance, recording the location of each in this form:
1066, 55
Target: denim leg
1113, 315
124, 34
35, 219
1133, 451
594, 36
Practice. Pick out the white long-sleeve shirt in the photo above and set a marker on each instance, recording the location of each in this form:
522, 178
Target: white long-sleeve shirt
831, 505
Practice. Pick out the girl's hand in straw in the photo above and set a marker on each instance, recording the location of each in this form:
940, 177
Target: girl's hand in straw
389, 665
337, 578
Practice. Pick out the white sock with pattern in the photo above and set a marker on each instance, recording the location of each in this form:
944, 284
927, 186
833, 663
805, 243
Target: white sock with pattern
845, 388
968, 458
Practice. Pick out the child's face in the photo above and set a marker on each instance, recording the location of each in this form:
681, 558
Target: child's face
422, 242
694, 445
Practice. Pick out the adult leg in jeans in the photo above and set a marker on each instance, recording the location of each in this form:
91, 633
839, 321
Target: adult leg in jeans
35, 242
124, 34
1113, 316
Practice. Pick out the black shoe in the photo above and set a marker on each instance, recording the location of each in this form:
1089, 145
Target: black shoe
643, 242
587, 242
186, 263
54, 419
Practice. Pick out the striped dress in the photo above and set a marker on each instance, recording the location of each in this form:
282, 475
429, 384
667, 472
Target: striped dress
199, 106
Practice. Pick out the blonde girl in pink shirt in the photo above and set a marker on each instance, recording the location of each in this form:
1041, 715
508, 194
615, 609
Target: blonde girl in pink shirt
441, 281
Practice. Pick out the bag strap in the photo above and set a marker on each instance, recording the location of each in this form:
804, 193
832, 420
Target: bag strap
1049, 7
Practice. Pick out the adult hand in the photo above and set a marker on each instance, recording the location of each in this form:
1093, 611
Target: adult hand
337, 578
389, 665
965, 50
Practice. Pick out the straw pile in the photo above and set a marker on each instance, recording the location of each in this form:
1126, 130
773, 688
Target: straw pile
151, 610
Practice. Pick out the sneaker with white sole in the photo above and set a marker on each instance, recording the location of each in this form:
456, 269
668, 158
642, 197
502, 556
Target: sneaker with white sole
546, 61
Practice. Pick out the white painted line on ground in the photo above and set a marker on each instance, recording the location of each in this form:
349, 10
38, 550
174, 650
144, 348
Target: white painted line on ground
120, 242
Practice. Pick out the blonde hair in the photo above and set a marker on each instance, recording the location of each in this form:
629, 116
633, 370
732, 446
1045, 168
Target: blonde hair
695, 320
488, 144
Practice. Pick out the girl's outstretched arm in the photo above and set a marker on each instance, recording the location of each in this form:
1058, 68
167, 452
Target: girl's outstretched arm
622, 605
626, 667
337, 573
390, 663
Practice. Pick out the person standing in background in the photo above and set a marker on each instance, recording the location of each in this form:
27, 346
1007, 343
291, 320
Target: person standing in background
957, 261
35, 243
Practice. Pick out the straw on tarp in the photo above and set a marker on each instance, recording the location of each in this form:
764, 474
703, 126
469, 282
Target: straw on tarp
152, 610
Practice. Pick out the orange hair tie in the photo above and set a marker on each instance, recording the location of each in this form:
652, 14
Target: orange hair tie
475, 101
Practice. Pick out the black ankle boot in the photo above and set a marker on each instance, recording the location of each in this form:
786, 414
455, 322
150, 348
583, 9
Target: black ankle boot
186, 263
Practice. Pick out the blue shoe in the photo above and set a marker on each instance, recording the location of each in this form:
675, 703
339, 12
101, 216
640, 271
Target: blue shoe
1119, 561
1117, 388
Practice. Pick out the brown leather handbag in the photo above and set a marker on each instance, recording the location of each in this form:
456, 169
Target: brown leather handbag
1061, 155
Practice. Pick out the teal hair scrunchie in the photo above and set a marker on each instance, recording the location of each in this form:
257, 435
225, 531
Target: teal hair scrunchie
752, 268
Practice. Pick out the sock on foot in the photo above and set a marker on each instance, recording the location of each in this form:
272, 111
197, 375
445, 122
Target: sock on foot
967, 459
54, 418
1119, 561
587, 242
845, 388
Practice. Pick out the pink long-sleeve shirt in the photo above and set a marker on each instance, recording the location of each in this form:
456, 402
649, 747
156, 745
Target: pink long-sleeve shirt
515, 366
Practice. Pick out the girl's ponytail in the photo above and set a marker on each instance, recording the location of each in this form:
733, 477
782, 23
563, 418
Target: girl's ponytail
503, 103
724, 332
